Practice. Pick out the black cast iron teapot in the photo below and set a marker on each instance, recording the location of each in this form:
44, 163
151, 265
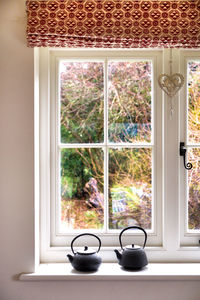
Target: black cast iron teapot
133, 256
85, 259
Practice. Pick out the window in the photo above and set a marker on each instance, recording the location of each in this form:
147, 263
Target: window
193, 142
108, 151
105, 144
191, 133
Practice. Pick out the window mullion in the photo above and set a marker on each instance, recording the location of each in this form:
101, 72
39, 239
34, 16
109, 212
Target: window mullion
171, 144
192, 145
83, 145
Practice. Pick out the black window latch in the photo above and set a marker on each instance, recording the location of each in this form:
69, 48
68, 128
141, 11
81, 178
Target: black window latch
183, 150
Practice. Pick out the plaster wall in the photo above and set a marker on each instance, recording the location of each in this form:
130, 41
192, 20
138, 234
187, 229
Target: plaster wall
17, 187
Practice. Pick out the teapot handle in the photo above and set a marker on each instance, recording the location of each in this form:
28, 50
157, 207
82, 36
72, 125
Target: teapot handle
131, 227
85, 234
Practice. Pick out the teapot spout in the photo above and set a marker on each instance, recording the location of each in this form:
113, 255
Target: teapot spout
70, 257
118, 254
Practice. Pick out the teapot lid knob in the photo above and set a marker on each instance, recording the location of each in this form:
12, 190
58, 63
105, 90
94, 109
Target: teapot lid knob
86, 251
132, 247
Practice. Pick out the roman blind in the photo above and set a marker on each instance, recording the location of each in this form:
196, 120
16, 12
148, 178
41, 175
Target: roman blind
113, 23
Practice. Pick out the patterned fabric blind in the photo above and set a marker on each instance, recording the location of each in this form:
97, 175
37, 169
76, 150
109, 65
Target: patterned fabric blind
113, 23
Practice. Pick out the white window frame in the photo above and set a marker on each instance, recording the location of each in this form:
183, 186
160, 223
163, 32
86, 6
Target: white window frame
165, 243
189, 238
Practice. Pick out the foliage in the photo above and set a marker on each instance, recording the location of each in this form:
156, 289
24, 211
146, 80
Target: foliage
82, 102
82, 111
194, 138
78, 165
194, 190
129, 101
194, 102
129, 120
130, 186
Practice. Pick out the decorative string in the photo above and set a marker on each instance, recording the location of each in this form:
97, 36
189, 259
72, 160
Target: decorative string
171, 98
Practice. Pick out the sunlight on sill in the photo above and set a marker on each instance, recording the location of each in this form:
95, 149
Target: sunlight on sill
112, 271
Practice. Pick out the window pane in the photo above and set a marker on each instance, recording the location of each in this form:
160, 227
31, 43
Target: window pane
81, 109
130, 192
82, 204
129, 93
194, 189
194, 102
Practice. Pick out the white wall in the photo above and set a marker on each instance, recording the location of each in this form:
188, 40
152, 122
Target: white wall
16, 186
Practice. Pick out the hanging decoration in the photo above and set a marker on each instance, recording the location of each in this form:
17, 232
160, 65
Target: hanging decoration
171, 83
113, 23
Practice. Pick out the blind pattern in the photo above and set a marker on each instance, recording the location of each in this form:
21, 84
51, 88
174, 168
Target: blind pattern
113, 23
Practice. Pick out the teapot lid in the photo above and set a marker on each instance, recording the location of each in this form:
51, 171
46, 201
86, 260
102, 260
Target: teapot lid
86, 251
132, 247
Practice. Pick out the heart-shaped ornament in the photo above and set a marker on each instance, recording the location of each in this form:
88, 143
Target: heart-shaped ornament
171, 84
